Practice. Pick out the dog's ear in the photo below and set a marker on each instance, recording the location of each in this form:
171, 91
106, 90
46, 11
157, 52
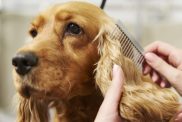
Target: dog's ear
142, 100
110, 53
31, 110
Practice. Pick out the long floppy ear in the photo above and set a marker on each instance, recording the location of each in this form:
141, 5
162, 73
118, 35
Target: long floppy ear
31, 110
142, 100
109, 51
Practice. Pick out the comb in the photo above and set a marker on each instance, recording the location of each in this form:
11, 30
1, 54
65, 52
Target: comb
130, 47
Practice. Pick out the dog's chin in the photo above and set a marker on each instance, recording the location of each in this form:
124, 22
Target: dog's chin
24, 91
27, 92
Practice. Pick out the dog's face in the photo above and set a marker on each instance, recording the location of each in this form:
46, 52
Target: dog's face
60, 60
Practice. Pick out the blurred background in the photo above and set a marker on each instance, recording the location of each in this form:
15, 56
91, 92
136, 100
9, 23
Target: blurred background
146, 20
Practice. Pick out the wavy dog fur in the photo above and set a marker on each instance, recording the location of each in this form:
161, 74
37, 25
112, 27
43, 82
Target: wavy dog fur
64, 77
142, 100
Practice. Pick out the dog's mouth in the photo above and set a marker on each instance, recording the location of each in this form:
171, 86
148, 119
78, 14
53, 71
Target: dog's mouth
27, 91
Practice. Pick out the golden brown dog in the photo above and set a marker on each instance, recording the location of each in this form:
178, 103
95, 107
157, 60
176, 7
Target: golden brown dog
57, 70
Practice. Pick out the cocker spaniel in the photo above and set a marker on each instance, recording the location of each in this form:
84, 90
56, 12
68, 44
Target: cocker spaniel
67, 66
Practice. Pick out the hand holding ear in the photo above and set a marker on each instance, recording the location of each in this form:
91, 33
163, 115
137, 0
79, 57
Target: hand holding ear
109, 111
164, 65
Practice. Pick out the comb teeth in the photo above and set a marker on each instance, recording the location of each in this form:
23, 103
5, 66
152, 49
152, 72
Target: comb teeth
130, 48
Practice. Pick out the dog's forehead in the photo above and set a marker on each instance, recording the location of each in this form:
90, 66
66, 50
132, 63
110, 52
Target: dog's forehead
82, 13
73, 8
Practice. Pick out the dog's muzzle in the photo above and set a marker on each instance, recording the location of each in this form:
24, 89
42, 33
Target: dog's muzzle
24, 62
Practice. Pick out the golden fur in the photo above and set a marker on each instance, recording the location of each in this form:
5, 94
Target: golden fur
65, 79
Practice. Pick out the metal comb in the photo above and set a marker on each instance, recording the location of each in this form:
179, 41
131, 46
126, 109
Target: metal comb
131, 48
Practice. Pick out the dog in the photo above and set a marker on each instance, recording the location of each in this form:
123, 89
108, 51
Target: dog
67, 66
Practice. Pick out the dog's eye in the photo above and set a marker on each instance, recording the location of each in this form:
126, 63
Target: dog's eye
33, 32
73, 28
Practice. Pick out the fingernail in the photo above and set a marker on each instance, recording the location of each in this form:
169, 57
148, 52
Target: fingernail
117, 75
154, 77
146, 70
163, 84
116, 68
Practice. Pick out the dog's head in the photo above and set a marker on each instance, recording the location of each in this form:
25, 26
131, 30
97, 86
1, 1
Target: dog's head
60, 60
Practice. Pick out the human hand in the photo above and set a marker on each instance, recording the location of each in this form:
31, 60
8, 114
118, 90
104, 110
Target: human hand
108, 111
166, 63
178, 116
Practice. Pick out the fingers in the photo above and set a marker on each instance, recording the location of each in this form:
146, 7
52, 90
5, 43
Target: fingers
171, 54
147, 69
155, 76
171, 74
113, 94
178, 117
165, 84
160, 47
109, 108
160, 66
161, 81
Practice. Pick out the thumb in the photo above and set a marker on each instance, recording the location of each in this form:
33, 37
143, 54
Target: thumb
169, 72
114, 92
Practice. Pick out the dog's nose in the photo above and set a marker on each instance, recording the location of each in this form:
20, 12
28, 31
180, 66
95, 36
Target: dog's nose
24, 62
